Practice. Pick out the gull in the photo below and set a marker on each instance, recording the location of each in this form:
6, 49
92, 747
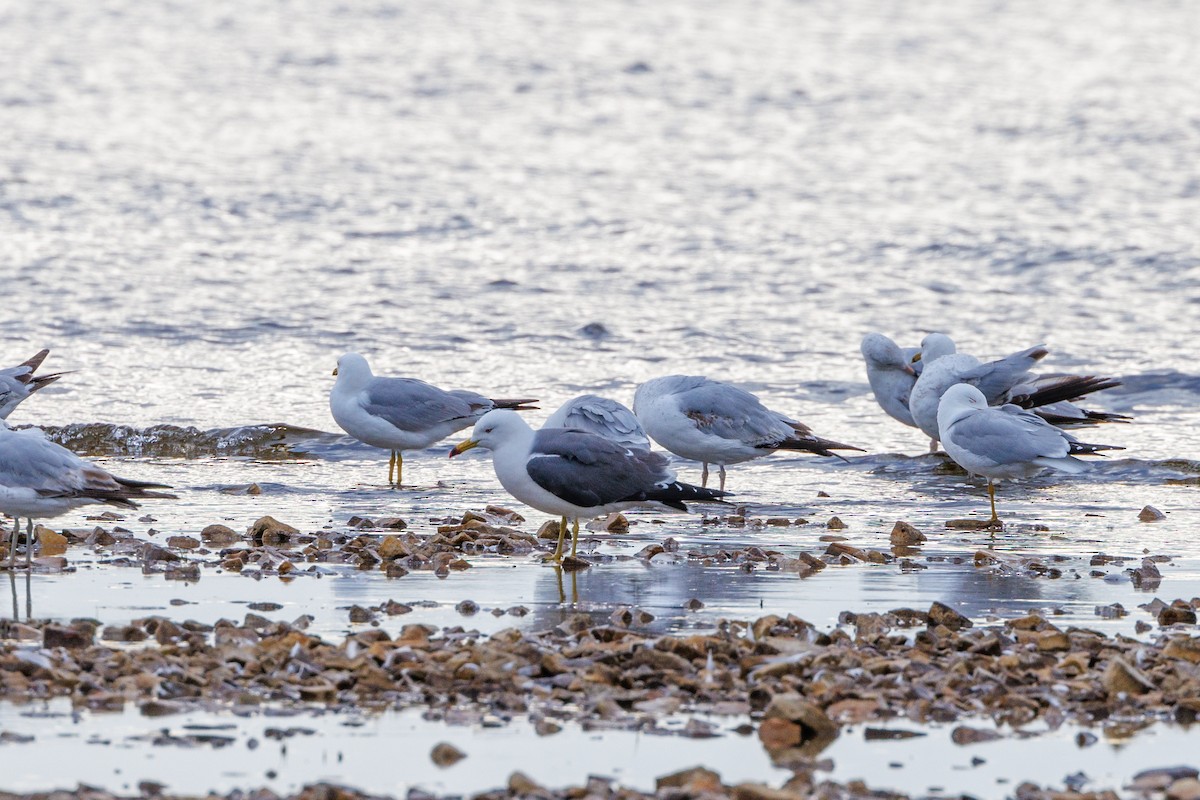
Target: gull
600, 416
40, 479
17, 383
892, 372
713, 422
399, 414
573, 474
1006, 380
1005, 441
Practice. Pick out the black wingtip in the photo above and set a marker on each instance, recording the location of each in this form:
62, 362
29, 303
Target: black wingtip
515, 405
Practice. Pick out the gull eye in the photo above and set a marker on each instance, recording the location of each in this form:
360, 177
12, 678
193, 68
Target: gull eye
488, 430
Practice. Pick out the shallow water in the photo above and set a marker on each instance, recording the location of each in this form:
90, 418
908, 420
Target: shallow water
202, 207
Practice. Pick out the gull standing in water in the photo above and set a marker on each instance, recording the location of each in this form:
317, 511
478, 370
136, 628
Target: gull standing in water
892, 373
574, 474
1006, 441
40, 479
17, 383
399, 414
603, 417
713, 422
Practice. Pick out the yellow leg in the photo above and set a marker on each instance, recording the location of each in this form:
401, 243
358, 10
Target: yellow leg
399, 468
704, 475
575, 538
995, 520
562, 534
391, 466
722, 477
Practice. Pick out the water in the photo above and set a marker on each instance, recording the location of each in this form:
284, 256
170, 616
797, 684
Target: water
202, 207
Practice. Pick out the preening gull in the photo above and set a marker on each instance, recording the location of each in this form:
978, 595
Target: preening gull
1005, 441
1006, 380
713, 422
39, 479
575, 474
600, 416
17, 383
892, 373
399, 414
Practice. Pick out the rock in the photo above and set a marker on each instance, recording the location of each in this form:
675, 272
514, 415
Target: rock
1151, 514
1184, 789
521, 785
393, 609
1119, 677
393, 547
1186, 648
50, 543
905, 535
1049, 641
270, 531
546, 727
942, 614
72, 638
467, 608
966, 735
843, 549
1160, 778
183, 542
152, 552
792, 726
1178, 612
613, 523
218, 535
446, 755
393, 523
160, 708
360, 614
695, 780
549, 530
835, 524
506, 514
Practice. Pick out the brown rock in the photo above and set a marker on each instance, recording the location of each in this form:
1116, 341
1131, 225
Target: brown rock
549, 530
72, 638
843, 549
965, 735
1184, 789
50, 543
1048, 641
218, 535
1186, 648
521, 785
792, 725
835, 524
694, 779
1119, 677
394, 523
393, 547
1177, 613
270, 531
942, 614
905, 535
446, 755
183, 542
1151, 514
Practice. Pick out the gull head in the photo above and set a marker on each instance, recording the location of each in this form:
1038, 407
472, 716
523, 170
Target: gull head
882, 353
958, 401
934, 346
353, 369
493, 430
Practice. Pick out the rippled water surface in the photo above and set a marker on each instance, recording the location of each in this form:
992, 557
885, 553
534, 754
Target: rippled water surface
203, 205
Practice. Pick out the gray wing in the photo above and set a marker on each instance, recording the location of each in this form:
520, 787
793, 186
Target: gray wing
590, 471
30, 461
732, 413
12, 390
603, 417
1009, 435
413, 405
996, 378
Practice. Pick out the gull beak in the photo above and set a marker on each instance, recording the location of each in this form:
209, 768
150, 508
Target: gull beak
463, 447
335, 371
915, 358
908, 368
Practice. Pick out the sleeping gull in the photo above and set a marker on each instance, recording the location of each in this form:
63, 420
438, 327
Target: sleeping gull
399, 414
17, 383
39, 478
600, 416
1005, 441
713, 422
574, 474
1002, 381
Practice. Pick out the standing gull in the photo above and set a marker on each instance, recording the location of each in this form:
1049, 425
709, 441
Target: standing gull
1002, 381
892, 372
713, 422
603, 417
39, 478
1006, 441
17, 383
574, 474
399, 414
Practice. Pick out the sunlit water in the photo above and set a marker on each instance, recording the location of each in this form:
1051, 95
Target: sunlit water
203, 206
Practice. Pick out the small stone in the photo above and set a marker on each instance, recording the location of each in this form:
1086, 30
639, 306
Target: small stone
360, 614
219, 535
835, 524
942, 614
1178, 613
549, 530
1151, 514
694, 780
393, 523
183, 542
1184, 789
265, 606
521, 785
72, 638
905, 535
504, 513
270, 531
1160, 778
966, 735
546, 727
1121, 678
467, 608
1049, 641
50, 543
446, 755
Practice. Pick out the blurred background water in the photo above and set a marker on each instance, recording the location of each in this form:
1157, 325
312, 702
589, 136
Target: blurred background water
202, 205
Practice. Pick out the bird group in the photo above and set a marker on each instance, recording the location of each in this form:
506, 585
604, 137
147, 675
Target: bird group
594, 455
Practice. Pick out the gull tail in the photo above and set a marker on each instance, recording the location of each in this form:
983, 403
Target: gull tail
515, 405
675, 493
808, 442
1065, 415
1068, 387
1085, 449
